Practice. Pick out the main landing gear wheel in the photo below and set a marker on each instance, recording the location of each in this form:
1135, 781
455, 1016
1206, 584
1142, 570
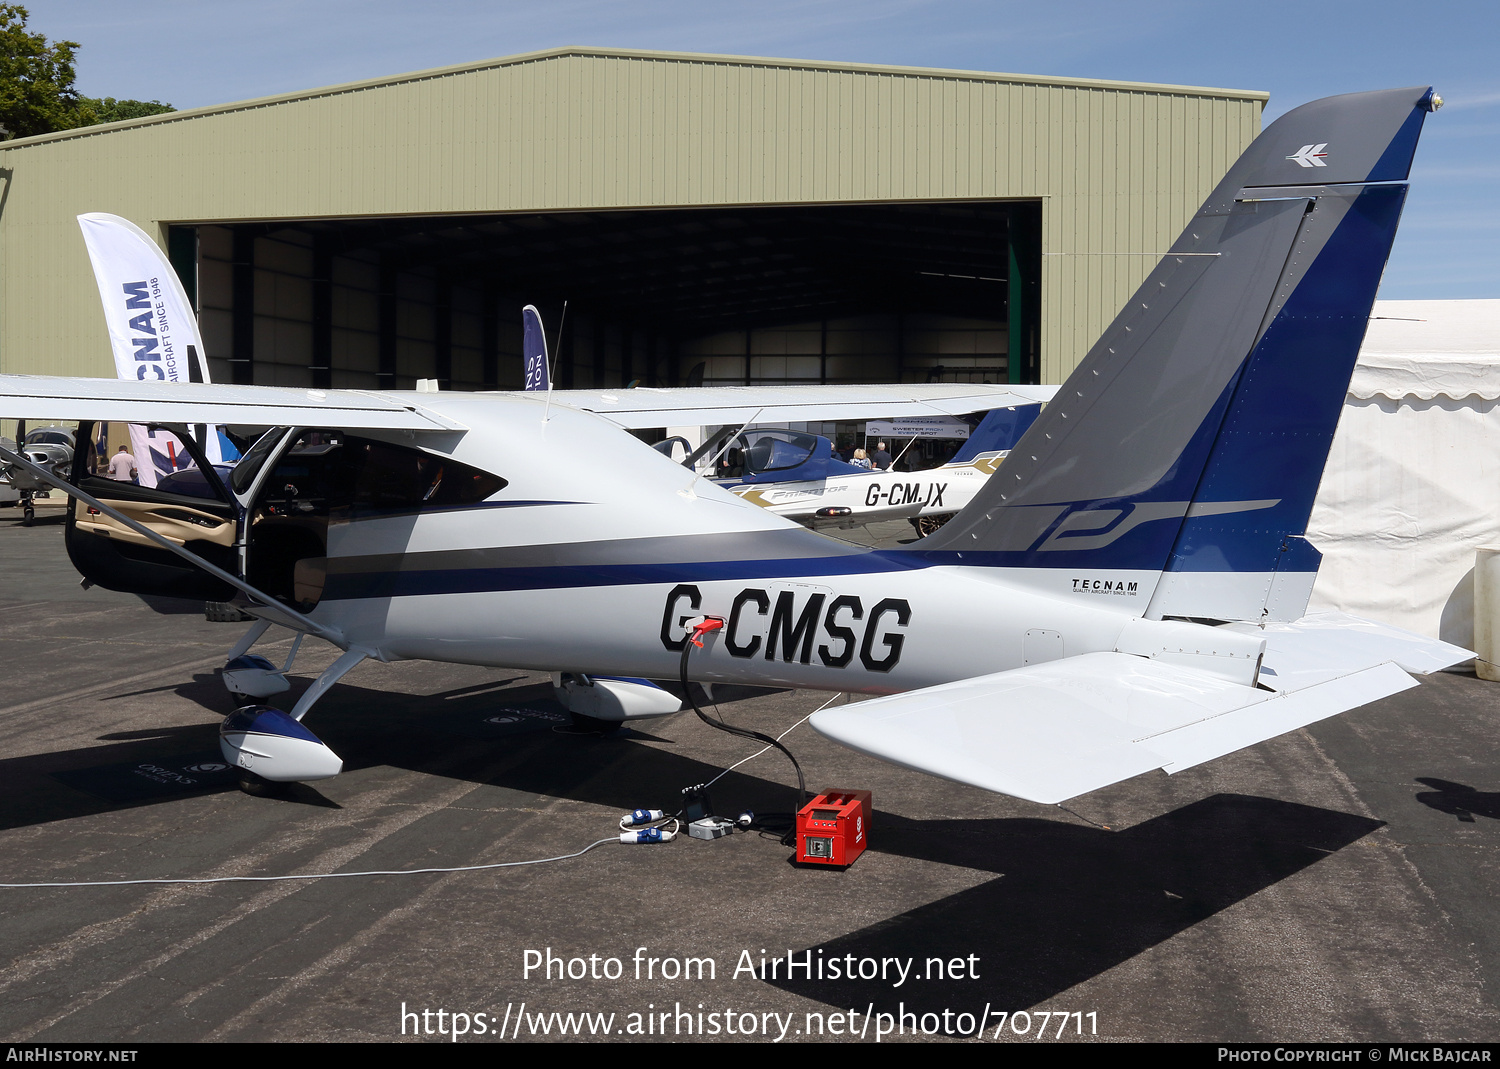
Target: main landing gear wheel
925, 525
259, 786
592, 725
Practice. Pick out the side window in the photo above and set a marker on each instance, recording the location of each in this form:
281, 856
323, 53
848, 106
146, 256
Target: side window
393, 480
49, 438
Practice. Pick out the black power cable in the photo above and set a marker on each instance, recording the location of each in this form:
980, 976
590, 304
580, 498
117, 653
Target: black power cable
696, 639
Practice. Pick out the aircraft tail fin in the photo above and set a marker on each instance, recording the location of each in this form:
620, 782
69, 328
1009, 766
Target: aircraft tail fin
534, 349
1187, 447
1000, 429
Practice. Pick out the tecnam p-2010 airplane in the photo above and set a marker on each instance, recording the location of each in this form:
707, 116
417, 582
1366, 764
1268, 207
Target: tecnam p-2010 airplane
1127, 593
798, 475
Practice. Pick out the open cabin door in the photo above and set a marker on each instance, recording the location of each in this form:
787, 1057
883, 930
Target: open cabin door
286, 548
294, 485
192, 507
328, 482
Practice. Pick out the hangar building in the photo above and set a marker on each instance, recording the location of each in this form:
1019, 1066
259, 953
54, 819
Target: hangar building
719, 219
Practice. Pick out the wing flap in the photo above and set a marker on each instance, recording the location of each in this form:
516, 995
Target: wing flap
47, 397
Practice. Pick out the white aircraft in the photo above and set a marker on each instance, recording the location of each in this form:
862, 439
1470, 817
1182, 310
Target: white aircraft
797, 475
1126, 594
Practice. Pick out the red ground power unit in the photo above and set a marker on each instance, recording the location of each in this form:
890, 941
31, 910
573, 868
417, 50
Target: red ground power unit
834, 828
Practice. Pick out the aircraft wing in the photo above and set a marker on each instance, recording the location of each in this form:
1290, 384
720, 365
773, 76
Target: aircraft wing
713, 406
1049, 732
46, 396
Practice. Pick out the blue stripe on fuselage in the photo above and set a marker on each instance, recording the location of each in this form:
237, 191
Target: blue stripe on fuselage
478, 580
392, 584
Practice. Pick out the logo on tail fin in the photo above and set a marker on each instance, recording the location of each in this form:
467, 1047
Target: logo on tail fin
1310, 156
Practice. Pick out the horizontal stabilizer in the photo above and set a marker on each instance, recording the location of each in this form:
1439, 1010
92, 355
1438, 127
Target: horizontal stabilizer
1049, 732
1324, 645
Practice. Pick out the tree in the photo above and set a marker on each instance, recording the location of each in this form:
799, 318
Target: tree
36, 78
108, 109
36, 84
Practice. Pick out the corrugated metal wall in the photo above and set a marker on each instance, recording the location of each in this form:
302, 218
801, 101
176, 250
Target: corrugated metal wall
1119, 167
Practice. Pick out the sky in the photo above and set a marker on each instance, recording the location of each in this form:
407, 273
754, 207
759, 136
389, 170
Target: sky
191, 53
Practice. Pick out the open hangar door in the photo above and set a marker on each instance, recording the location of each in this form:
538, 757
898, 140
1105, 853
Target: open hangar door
889, 292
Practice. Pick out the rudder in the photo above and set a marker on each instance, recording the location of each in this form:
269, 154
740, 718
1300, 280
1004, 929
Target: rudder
1190, 440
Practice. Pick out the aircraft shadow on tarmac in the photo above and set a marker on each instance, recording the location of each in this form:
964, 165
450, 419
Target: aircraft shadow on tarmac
476, 732
1459, 799
1068, 903
1072, 901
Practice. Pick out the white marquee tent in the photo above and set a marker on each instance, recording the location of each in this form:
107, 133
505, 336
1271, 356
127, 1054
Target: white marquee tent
1412, 485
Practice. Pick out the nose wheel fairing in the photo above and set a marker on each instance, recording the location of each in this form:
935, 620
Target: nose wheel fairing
270, 744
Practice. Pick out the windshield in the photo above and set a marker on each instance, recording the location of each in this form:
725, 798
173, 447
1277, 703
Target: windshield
49, 438
255, 456
777, 450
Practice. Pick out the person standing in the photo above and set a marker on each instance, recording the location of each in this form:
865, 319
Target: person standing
881, 459
122, 467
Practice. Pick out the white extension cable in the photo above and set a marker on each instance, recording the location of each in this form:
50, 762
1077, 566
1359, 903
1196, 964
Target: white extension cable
632, 831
